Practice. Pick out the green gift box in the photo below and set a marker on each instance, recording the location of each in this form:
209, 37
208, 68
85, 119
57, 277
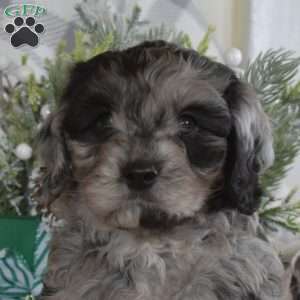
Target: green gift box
23, 257
18, 234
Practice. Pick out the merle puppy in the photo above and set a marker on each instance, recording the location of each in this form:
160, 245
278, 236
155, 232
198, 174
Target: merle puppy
152, 162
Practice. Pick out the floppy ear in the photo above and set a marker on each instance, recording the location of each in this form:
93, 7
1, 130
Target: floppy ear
250, 149
54, 157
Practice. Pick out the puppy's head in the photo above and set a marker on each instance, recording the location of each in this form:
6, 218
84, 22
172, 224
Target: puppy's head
154, 134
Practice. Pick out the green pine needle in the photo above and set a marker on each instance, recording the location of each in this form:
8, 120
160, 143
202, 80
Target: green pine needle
272, 74
204, 43
286, 215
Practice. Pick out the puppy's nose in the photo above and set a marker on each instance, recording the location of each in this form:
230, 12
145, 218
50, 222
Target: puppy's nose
140, 176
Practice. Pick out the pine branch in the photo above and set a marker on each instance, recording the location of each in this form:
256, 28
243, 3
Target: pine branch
133, 21
126, 31
285, 214
18, 124
204, 43
272, 74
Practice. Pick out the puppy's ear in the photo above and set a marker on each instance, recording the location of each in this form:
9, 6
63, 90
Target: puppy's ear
250, 149
54, 157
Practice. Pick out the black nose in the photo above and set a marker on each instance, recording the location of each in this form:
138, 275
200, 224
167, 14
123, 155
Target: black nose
140, 175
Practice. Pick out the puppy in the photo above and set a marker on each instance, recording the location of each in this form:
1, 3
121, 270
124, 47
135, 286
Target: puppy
150, 155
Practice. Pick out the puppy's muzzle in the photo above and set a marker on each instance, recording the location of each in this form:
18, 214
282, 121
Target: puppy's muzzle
140, 175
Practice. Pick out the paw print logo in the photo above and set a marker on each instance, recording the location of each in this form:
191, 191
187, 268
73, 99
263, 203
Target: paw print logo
24, 33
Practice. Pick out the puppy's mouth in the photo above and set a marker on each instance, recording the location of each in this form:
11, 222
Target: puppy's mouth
156, 219
141, 214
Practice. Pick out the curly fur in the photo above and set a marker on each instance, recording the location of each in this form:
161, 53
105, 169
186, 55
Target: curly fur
217, 257
122, 110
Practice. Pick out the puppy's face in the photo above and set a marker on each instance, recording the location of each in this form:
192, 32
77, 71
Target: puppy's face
147, 145
147, 137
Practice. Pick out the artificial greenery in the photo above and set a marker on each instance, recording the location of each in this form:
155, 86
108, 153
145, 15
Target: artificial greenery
284, 213
272, 74
101, 24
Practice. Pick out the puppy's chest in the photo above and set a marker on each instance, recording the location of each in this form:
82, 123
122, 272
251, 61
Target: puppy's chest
157, 275
158, 269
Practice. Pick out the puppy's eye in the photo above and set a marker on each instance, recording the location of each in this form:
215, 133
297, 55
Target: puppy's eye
103, 121
188, 123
